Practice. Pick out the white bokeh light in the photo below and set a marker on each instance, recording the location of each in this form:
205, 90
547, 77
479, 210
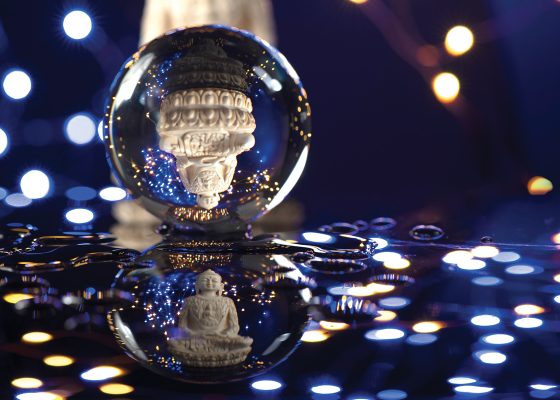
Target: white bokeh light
381, 243
3, 142
17, 200
394, 302
112, 193
384, 334
79, 215
325, 389
461, 380
35, 184
80, 129
473, 389
485, 320
386, 256
100, 130
101, 373
77, 24
498, 338
528, 322
317, 237
490, 357
17, 84
471, 264
266, 384
520, 270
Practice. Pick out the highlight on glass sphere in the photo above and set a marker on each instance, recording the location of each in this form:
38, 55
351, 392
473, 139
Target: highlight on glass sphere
209, 127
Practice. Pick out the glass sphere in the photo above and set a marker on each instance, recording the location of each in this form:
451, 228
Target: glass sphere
210, 317
209, 127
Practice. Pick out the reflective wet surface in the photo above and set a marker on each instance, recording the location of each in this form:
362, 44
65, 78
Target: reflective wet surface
361, 310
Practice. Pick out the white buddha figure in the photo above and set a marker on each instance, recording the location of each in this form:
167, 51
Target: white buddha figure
209, 321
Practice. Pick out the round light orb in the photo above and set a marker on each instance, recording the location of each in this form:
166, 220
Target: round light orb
35, 184
498, 339
490, 357
16, 84
80, 129
446, 87
4, 142
77, 24
266, 385
461, 380
101, 373
209, 127
325, 389
459, 40
112, 193
79, 216
17, 200
485, 320
384, 334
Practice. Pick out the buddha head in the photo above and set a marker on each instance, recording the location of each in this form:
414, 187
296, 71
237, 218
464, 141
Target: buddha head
206, 120
209, 283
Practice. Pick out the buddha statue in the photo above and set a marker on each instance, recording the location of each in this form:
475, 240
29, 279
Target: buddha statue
210, 326
206, 120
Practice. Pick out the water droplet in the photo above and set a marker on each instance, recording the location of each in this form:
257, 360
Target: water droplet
382, 223
426, 232
328, 266
486, 239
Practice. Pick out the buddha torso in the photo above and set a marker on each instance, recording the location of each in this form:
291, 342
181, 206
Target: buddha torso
208, 315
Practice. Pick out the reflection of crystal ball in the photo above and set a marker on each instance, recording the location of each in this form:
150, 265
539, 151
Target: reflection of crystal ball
182, 323
208, 127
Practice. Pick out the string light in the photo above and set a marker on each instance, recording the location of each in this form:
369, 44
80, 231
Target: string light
446, 87
459, 40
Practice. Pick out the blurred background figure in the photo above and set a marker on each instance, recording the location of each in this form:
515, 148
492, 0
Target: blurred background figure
161, 16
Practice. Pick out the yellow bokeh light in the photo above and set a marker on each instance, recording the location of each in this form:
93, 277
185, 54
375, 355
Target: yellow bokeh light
427, 326
399, 263
13, 298
380, 287
360, 291
36, 337
459, 40
528, 309
385, 316
58, 361
485, 251
116, 388
446, 87
358, 1
333, 326
556, 239
538, 186
27, 383
557, 278
314, 336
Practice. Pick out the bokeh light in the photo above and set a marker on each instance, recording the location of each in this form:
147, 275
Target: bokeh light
446, 87
39, 396
539, 185
485, 320
498, 338
473, 389
381, 243
490, 357
386, 256
384, 334
314, 336
101, 373
461, 380
487, 281
528, 323
17, 200
485, 251
421, 339
427, 326
399, 263
13, 298
528, 309
325, 389
471, 265
520, 270
17, 84
27, 383
116, 388
317, 237
77, 24
459, 40
80, 129
334, 326
358, 1
506, 256
392, 394
394, 302
58, 360
36, 337
266, 384
457, 256
81, 193
35, 184
79, 215
386, 316
3, 142
112, 193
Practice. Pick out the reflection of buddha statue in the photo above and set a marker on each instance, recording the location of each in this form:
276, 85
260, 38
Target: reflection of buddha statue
210, 323
206, 120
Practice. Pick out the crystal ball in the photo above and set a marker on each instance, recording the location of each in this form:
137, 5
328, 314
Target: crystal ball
210, 317
208, 127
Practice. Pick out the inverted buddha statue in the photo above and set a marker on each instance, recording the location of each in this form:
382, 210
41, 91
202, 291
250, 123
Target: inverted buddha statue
210, 327
206, 120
